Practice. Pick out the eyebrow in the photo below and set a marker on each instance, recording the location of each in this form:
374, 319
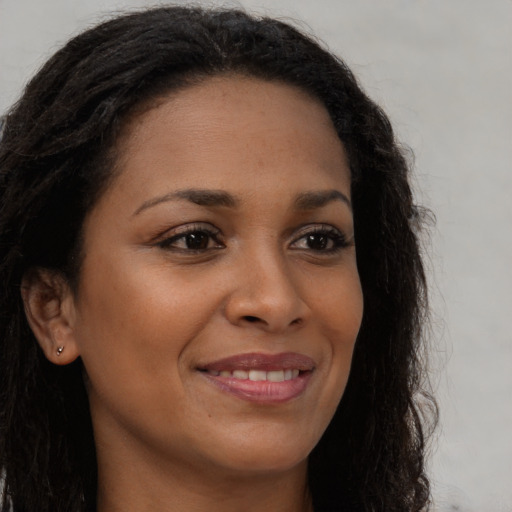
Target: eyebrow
197, 196
318, 199
212, 198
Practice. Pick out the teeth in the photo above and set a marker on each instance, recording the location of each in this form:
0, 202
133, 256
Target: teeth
258, 375
275, 376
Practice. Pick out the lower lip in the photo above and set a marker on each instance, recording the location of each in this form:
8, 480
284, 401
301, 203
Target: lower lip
262, 391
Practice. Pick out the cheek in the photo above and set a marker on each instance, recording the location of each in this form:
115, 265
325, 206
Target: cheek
134, 329
339, 304
137, 322
341, 309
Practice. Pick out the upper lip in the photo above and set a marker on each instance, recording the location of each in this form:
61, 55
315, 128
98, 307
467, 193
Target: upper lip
260, 361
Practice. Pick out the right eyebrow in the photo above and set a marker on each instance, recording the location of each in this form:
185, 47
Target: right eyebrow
202, 197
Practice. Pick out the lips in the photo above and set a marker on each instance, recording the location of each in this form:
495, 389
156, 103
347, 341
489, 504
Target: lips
263, 378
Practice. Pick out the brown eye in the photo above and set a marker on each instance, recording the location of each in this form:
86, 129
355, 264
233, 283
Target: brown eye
197, 240
321, 239
192, 239
319, 242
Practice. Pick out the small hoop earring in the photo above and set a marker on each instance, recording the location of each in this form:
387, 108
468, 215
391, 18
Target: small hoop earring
60, 350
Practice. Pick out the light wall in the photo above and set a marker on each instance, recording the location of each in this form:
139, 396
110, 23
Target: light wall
443, 71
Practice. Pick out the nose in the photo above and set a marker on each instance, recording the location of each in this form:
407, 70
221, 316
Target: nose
266, 295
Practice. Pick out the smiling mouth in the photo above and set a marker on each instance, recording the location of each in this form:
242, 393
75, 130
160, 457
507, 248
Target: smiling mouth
262, 378
258, 375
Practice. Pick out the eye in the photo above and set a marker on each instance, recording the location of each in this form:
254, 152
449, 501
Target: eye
321, 238
195, 238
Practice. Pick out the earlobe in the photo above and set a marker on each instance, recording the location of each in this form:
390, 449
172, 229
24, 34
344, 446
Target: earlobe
49, 307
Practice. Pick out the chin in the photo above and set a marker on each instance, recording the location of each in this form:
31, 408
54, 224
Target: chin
276, 456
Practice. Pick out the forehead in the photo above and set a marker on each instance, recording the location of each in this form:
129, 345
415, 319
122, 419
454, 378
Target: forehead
233, 131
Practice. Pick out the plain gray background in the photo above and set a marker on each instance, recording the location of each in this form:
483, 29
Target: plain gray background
442, 69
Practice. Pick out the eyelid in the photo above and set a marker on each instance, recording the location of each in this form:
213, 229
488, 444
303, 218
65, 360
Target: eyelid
320, 227
189, 227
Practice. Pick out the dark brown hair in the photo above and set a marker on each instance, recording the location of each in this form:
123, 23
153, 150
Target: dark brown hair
56, 158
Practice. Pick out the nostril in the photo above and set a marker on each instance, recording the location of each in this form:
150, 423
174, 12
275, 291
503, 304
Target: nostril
251, 319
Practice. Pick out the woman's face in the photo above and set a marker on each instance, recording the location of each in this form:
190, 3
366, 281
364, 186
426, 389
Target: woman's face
219, 299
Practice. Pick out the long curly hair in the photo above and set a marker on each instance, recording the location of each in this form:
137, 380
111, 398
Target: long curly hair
57, 155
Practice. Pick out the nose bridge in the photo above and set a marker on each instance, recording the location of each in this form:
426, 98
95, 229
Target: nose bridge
271, 279
266, 291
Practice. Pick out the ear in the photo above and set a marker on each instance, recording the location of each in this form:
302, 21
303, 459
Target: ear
50, 310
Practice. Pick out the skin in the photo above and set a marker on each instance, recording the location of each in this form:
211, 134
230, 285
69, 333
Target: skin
150, 311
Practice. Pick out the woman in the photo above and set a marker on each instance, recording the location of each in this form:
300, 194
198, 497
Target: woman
195, 207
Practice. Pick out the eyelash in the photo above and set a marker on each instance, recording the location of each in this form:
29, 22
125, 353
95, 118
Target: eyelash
331, 234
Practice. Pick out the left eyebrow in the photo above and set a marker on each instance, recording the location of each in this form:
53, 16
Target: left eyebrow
318, 199
201, 197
